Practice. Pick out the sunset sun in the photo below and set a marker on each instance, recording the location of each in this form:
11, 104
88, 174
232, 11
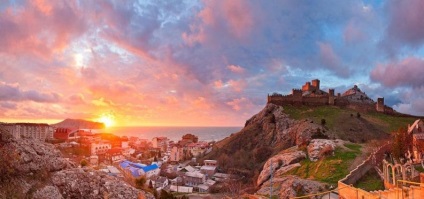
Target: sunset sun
107, 119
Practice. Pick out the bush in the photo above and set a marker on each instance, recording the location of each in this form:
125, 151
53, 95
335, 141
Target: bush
83, 163
358, 115
323, 122
140, 182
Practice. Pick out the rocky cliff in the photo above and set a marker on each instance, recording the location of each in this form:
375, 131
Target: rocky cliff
79, 124
265, 134
33, 169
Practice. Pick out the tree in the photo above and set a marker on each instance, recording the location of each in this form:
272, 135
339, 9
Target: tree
140, 182
155, 159
323, 122
150, 184
83, 163
401, 143
358, 115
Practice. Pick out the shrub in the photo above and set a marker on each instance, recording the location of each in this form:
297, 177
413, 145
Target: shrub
358, 115
323, 122
83, 163
140, 182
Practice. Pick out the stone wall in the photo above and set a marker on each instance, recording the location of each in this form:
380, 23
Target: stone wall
346, 190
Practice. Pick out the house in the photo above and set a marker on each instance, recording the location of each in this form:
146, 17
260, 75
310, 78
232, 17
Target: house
94, 160
177, 153
114, 155
181, 189
198, 148
209, 167
136, 170
159, 182
194, 178
99, 147
417, 131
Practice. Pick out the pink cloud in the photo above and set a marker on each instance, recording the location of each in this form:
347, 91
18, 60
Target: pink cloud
352, 33
331, 61
407, 72
236, 69
233, 18
240, 104
406, 22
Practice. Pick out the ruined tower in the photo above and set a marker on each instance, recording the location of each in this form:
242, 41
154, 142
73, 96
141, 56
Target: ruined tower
331, 96
315, 84
380, 104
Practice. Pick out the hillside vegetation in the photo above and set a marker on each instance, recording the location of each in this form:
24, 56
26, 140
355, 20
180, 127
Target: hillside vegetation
348, 124
276, 128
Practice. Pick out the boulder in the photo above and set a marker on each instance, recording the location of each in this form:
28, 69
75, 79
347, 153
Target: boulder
48, 192
280, 160
318, 148
86, 183
290, 186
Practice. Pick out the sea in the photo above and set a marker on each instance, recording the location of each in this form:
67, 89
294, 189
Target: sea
174, 133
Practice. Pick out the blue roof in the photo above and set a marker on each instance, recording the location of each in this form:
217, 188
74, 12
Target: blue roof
135, 167
134, 172
150, 167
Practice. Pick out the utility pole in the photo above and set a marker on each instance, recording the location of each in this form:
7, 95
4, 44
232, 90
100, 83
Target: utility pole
270, 182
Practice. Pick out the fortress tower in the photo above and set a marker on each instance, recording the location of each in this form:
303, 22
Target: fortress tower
330, 96
380, 104
315, 83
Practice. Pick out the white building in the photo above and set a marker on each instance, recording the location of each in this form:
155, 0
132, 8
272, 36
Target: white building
29, 130
99, 147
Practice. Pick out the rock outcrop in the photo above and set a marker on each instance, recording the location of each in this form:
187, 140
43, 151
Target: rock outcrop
290, 186
33, 169
318, 148
82, 183
280, 161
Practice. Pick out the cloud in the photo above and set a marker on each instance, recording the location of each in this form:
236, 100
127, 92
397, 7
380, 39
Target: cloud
12, 92
407, 72
236, 69
405, 27
330, 60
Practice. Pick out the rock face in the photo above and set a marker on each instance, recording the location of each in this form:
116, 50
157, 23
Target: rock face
280, 161
80, 183
34, 169
318, 148
35, 156
290, 186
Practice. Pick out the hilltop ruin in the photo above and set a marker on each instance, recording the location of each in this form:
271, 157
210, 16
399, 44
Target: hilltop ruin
311, 95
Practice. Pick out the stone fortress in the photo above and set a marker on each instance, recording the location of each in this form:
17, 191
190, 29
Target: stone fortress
312, 95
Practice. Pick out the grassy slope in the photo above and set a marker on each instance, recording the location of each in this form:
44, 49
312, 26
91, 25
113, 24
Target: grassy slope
329, 169
345, 124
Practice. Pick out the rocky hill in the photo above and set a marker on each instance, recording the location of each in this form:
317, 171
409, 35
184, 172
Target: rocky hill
295, 136
34, 169
79, 124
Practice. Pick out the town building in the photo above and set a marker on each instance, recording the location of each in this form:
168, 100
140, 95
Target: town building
114, 155
209, 167
135, 170
161, 143
39, 131
158, 182
198, 148
194, 178
101, 147
417, 132
177, 154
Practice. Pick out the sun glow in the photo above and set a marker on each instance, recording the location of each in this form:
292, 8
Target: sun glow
107, 119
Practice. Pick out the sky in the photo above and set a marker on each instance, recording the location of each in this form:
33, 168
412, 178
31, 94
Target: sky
201, 63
